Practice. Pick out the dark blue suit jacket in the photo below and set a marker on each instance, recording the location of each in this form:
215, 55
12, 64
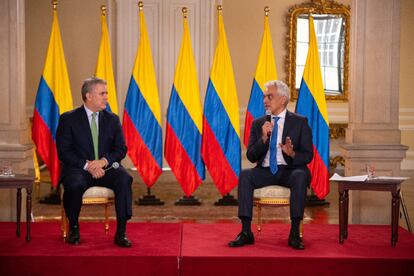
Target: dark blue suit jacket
296, 127
74, 139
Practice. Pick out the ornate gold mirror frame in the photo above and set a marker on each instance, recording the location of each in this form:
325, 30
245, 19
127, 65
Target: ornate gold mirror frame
318, 7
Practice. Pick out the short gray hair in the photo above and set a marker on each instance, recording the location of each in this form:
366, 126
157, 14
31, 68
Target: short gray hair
89, 84
281, 87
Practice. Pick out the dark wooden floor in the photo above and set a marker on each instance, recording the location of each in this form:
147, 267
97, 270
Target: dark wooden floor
169, 191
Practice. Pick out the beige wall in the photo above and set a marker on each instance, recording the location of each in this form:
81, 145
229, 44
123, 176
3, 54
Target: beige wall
80, 28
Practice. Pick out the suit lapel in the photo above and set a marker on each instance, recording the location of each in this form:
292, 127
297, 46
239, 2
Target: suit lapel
102, 131
85, 126
287, 126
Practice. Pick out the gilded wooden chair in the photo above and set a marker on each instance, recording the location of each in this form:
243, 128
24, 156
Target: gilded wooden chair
93, 196
274, 195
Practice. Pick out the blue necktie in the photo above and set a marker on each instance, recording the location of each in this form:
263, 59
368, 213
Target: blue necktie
273, 147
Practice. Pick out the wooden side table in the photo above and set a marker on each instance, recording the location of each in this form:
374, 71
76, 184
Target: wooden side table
391, 185
18, 182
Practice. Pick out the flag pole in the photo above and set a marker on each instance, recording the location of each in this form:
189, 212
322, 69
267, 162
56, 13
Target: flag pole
311, 104
103, 10
187, 200
54, 196
148, 199
227, 199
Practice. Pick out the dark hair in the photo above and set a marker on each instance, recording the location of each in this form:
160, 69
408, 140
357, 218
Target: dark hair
89, 84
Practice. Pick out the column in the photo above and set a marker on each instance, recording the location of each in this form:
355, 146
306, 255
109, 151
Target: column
15, 145
373, 136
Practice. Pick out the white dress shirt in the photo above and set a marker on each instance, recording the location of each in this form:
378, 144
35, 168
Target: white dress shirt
279, 154
89, 113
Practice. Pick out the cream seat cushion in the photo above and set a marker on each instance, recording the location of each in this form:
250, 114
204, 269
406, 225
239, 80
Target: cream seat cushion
96, 192
273, 191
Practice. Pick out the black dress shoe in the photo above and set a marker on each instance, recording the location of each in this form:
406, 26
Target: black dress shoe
74, 235
296, 243
242, 239
122, 241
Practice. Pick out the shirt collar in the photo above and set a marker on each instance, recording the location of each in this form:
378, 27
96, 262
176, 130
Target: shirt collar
281, 115
89, 112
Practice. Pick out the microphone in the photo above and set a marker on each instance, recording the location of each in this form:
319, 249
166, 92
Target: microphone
114, 165
269, 119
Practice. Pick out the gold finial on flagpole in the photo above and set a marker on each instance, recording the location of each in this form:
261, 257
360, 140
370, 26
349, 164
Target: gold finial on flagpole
140, 5
103, 10
219, 8
267, 10
185, 11
54, 4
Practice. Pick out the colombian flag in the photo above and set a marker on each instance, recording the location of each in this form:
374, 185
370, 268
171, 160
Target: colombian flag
53, 98
184, 121
221, 134
311, 103
142, 113
265, 71
104, 65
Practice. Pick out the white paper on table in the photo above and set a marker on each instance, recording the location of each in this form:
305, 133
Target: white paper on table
356, 178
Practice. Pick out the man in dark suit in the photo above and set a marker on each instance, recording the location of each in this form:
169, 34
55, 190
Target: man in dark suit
89, 140
281, 146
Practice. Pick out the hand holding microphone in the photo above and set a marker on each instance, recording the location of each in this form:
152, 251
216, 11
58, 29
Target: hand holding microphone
267, 127
268, 119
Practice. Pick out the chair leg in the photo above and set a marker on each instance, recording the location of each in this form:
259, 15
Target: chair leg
106, 219
301, 230
37, 188
63, 221
259, 217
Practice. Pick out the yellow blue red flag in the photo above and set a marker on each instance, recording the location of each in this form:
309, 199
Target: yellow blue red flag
312, 104
142, 113
221, 148
104, 69
265, 71
184, 120
53, 98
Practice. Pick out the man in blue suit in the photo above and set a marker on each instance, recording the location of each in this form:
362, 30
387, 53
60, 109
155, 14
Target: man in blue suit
89, 140
280, 144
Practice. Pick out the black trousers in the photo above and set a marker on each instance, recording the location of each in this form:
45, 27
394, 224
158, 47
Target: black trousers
297, 179
77, 181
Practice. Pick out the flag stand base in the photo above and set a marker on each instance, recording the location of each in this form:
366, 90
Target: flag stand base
52, 198
188, 201
313, 200
149, 199
227, 200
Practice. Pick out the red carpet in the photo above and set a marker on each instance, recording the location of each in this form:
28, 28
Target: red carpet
367, 251
201, 249
154, 251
